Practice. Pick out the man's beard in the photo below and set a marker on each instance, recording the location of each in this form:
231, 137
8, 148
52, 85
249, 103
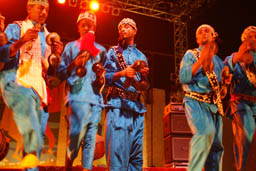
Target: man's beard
205, 42
122, 42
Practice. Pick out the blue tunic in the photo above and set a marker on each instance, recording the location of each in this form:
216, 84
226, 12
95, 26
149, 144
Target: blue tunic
125, 120
242, 111
206, 149
80, 88
86, 104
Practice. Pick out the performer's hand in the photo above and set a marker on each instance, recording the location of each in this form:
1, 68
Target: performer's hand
144, 71
207, 55
31, 34
57, 47
129, 72
82, 58
243, 55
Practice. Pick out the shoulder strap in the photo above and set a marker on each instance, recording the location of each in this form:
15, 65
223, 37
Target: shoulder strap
195, 52
120, 58
19, 23
249, 74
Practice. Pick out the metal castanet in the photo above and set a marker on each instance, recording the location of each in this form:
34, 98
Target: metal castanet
100, 71
54, 58
83, 57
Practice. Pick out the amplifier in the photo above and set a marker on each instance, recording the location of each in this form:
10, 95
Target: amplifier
175, 123
173, 107
176, 148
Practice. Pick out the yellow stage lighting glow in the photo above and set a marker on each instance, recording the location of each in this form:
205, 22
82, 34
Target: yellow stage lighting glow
61, 1
94, 5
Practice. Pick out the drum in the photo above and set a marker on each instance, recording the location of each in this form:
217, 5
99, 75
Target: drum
99, 147
4, 145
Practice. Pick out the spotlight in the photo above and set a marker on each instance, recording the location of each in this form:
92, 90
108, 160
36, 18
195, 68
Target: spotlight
83, 4
61, 1
72, 3
94, 5
105, 8
115, 11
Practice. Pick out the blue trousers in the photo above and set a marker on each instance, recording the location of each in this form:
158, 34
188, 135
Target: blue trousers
243, 125
124, 140
84, 121
206, 149
25, 104
44, 120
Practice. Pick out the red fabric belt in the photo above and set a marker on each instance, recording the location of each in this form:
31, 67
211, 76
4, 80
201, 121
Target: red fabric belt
243, 97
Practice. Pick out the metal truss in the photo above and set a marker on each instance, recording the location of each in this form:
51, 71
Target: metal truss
175, 11
170, 10
180, 42
156, 9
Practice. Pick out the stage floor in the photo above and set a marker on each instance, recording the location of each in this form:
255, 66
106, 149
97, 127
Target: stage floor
51, 168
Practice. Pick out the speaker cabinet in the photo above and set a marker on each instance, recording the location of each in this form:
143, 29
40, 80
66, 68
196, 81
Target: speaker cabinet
176, 148
176, 123
173, 107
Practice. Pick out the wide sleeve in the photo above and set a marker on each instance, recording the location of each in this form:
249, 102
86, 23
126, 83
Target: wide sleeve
185, 74
110, 65
12, 31
66, 59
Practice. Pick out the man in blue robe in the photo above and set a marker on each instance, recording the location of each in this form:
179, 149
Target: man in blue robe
243, 95
125, 116
84, 99
200, 75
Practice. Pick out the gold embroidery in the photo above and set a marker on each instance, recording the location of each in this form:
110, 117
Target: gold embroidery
206, 98
216, 89
212, 77
250, 75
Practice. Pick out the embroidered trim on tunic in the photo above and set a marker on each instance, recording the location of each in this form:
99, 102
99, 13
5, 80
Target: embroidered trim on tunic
250, 75
212, 77
216, 89
120, 58
206, 98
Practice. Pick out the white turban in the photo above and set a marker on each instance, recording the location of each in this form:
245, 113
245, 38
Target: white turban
247, 31
129, 21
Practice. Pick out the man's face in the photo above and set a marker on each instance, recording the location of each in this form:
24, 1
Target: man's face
38, 13
84, 26
126, 31
251, 36
251, 39
204, 35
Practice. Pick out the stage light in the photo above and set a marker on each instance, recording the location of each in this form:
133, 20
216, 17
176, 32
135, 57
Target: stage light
73, 3
62, 1
115, 11
105, 8
83, 4
94, 6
